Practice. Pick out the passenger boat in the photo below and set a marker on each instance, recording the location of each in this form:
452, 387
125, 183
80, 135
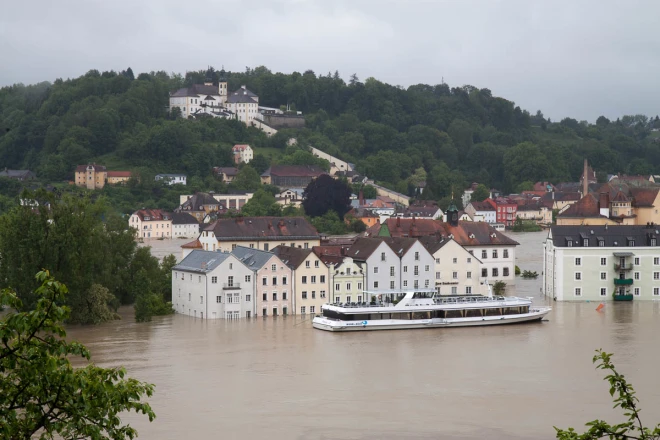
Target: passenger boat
428, 310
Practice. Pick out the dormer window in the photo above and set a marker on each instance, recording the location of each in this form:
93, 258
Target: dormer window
601, 243
569, 243
585, 242
146, 218
631, 241
653, 242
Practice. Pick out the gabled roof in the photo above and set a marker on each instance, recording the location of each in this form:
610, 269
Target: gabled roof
201, 261
197, 201
153, 214
330, 254
644, 197
240, 99
183, 218
291, 256
197, 90
196, 244
17, 174
240, 147
482, 206
83, 168
363, 248
252, 258
586, 207
263, 228
400, 245
227, 171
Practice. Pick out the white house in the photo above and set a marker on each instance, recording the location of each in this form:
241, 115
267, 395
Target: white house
184, 225
457, 271
151, 223
199, 98
417, 264
242, 153
213, 285
482, 210
310, 278
601, 263
243, 104
172, 179
347, 276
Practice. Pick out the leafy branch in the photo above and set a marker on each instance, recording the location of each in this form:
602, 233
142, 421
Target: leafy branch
633, 428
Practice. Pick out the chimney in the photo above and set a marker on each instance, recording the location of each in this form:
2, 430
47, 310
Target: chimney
585, 179
361, 198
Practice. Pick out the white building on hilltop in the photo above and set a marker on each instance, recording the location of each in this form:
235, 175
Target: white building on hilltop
213, 285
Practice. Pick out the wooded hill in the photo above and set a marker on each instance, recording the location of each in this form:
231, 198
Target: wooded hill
448, 136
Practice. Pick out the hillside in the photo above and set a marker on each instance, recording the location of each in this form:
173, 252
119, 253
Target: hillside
448, 136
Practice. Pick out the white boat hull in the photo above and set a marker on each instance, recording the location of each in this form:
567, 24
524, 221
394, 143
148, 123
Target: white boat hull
333, 325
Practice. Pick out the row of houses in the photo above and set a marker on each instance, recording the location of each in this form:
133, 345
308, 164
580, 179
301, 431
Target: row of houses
241, 268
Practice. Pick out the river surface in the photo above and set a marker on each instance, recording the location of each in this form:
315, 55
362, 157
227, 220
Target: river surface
278, 378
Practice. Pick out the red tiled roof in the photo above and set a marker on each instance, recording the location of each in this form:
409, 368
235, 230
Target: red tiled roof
587, 206
153, 214
119, 174
193, 245
644, 197
240, 147
264, 228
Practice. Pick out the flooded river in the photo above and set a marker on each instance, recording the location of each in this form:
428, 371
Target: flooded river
278, 378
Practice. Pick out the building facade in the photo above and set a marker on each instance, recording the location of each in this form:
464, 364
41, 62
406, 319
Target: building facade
184, 225
242, 153
597, 262
348, 281
118, 177
273, 281
310, 278
91, 176
291, 176
213, 285
457, 271
172, 179
151, 223
482, 211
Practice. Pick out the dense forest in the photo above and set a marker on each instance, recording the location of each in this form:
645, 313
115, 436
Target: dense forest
448, 136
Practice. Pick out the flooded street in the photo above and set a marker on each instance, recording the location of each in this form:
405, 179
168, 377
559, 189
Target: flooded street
278, 378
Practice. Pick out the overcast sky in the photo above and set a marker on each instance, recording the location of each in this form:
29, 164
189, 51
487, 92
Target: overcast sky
573, 58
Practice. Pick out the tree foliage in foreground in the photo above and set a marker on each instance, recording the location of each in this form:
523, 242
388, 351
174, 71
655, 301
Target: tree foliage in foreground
41, 394
633, 428
325, 194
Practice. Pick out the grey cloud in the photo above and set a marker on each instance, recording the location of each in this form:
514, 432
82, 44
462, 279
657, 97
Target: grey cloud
567, 58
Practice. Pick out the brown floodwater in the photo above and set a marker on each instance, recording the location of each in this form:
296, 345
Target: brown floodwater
278, 378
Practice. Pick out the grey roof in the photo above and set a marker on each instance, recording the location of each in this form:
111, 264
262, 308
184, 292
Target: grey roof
170, 175
183, 218
252, 258
612, 235
17, 174
239, 98
201, 261
196, 90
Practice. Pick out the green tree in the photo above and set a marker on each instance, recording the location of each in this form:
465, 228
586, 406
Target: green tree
632, 428
40, 391
247, 179
330, 223
261, 204
524, 186
325, 194
94, 307
525, 162
480, 193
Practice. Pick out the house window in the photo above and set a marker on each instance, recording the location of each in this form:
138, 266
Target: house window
284, 295
416, 284
302, 310
231, 266
505, 253
189, 297
311, 309
274, 296
603, 291
468, 290
454, 260
337, 286
484, 254
348, 287
375, 284
437, 261
201, 300
248, 278
469, 260
601, 243
637, 291
248, 298
454, 290
586, 242
391, 285
307, 264
405, 283
569, 243
264, 281
636, 261
264, 296
313, 279
304, 294
265, 246
578, 261
656, 275
313, 294
631, 243
416, 256
454, 275
273, 267
426, 283
603, 261
505, 272
416, 270
656, 291
636, 275
382, 256
469, 275
578, 276
484, 273
284, 281
494, 253
322, 279
214, 280
656, 261
233, 246
405, 269
653, 242
603, 275
230, 281
437, 275
274, 281
218, 299
375, 269
322, 294
495, 272
316, 264
578, 291
304, 280
359, 287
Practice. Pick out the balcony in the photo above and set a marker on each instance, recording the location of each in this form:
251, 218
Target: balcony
627, 266
623, 281
232, 286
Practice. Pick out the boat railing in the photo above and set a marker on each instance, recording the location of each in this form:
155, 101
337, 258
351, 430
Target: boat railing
355, 305
468, 300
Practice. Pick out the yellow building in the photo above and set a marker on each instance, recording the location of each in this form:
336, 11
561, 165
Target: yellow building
91, 176
151, 223
115, 177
